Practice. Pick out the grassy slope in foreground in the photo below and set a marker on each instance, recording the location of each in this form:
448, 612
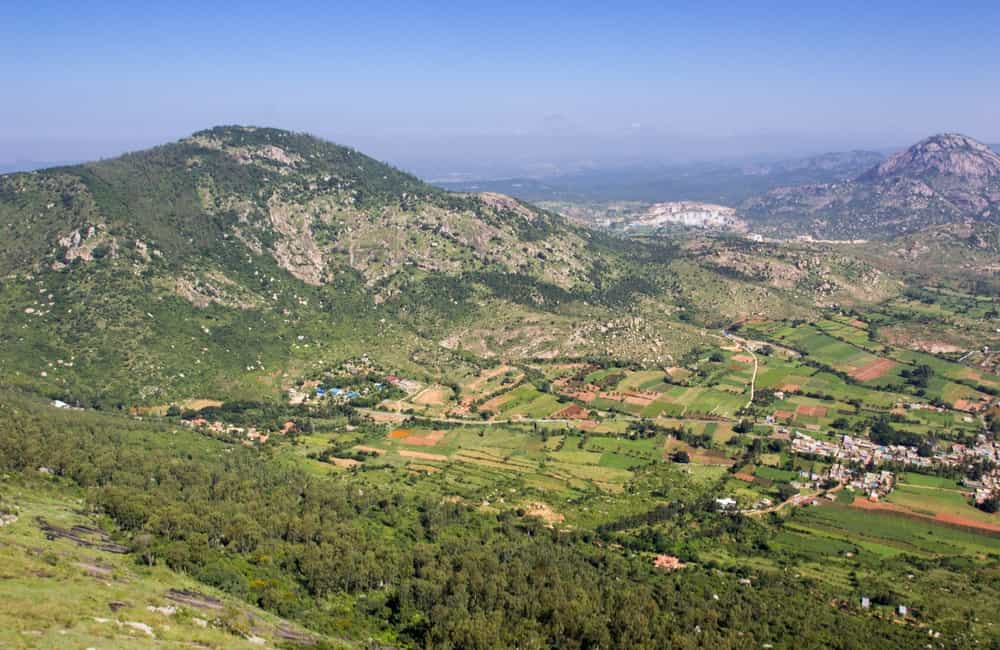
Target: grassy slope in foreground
58, 594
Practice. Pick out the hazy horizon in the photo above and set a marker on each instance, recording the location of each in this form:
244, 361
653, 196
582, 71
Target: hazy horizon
501, 91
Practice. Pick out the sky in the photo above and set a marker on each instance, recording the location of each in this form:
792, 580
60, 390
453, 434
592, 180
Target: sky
491, 88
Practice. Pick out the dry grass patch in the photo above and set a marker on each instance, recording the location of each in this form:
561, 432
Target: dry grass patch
544, 512
419, 455
433, 395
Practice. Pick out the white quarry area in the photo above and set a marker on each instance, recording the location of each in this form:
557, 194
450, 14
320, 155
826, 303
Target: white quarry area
688, 213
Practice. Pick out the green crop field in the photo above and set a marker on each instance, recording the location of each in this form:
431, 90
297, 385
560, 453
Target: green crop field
898, 532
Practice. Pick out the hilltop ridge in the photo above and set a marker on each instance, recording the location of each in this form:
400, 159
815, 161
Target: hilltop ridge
946, 178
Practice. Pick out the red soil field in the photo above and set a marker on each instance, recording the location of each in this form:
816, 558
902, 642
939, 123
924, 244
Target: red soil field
428, 440
573, 412
873, 370
968, 406
814, 411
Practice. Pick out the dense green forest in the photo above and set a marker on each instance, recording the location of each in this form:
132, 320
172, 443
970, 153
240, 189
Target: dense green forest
347, 558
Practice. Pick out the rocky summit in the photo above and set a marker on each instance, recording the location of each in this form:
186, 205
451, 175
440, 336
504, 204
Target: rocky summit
947, 178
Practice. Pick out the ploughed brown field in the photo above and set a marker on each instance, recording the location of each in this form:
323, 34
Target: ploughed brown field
428, 440
814, 411
573, 412
873, 370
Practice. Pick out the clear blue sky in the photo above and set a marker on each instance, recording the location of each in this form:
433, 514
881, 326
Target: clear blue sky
86, 79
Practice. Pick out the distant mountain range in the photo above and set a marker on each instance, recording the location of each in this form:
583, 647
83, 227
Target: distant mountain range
725, 183
840, 165
946, 178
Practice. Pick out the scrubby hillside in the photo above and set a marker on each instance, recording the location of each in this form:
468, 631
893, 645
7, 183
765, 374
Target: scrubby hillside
234, 262
234, 258
315, 208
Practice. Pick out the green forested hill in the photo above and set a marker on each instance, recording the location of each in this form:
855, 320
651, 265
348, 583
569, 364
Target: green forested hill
232, 262
362, 562
240, 250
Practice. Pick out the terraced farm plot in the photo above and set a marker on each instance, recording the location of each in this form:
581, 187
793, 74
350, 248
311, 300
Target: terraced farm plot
491, 381
811, 410
641, 380
424, 439
944, 518
894, 532
847, 331
709, 401
821, 346
542, 406
776, 475
678, 374
519, 397
495, 404
944, 503
698, 455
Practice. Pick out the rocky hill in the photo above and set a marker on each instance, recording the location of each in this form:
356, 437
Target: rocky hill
236, 261
239, 261
944, 179
313, 207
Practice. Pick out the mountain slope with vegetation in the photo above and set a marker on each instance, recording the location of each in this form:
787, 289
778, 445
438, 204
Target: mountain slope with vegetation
944, 179
237, 260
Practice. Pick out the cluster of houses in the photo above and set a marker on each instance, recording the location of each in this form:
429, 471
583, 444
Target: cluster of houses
866, 452
250, 435
861, 452
344, 394
877, 485
987, 487
315, 390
